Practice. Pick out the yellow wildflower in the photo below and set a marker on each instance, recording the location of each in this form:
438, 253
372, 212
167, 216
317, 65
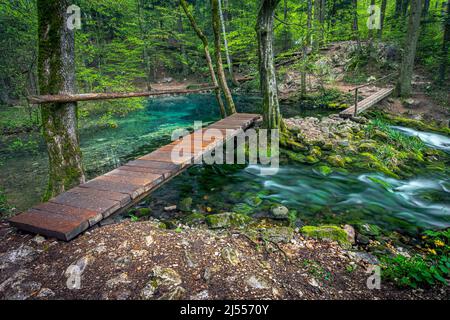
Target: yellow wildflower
432, 251
439, 243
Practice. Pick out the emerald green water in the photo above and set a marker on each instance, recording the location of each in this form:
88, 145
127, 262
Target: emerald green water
347, 197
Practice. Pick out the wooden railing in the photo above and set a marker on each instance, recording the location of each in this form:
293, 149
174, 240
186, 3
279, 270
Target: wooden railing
356, 89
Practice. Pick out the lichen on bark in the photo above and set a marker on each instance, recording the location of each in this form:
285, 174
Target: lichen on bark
56, 72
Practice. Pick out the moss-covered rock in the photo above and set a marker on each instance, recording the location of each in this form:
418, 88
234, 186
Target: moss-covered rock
367, 229
143, 212
336, 161
329, 232
311, 159
367, 147
278, 234
185, 204
227, 220
252, 200
315, 152
194, 218
324, 170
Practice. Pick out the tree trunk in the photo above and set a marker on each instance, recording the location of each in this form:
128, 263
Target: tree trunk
382, 17
207, 56
355, 27
371, 33
56, 72
231, 108
445, 45
268, 82
285, 27
225, 43
145, 54
409, 50
426, 8
309, 23
398, 8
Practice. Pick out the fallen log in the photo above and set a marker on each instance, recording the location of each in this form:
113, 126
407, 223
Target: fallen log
66, 98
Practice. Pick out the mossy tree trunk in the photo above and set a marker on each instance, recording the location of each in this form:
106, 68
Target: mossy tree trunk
355, 27
409, 49
382, 18
231, 108
268, 81
204, 40
56, 72
445, 45
225, 45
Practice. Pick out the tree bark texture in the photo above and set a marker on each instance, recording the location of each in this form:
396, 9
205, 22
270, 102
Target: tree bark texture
231, 108
268, 82
204, 40
56, 72
409, 49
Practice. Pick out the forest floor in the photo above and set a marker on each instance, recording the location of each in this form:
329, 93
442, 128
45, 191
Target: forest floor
139, 260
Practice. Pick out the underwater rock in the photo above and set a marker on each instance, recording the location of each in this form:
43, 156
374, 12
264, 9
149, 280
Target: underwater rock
226, 220
243, 208
369, 230
329, 232
185, 204
253, 201
143, 212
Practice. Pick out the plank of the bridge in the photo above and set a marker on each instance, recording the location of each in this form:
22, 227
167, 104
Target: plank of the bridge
74, 211
367, 102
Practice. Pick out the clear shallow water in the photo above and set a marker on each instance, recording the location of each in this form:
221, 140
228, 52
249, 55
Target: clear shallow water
422, 202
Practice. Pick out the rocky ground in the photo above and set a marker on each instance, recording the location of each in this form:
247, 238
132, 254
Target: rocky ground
142, 261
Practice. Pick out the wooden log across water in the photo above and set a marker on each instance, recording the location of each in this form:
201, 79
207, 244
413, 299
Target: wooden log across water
76, 210
65, 98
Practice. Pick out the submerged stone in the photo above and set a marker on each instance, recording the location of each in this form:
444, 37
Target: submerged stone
185, 204
243, 208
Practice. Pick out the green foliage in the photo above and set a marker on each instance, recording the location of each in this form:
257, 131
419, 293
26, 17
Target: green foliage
4, 206
23, 146
422, 270
397, 138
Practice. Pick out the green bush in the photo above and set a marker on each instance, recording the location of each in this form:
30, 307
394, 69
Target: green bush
422, 270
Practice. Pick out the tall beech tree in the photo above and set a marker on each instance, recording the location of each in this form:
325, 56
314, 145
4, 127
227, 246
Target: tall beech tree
409, 49
231, 108
56, 74
204, 40
268, 81
445, 45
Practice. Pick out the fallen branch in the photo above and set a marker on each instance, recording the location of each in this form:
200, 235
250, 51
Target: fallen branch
66, 98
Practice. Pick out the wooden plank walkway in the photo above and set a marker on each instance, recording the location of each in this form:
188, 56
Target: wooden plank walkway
367, 102
72, 212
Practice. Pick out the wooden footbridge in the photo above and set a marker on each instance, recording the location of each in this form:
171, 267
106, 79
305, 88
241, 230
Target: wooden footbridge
72, 212
368, 102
